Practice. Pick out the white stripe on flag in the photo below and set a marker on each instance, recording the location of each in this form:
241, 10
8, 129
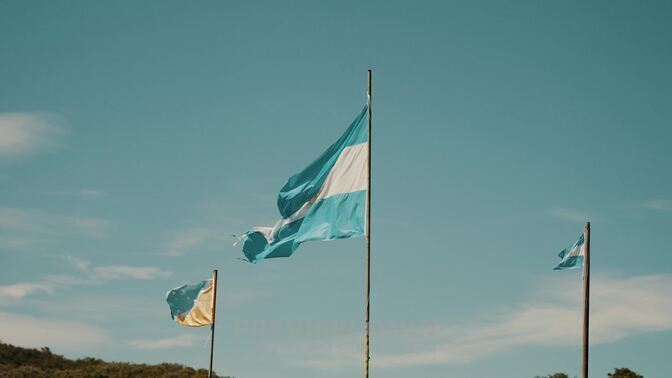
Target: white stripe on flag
579, 250
349, 174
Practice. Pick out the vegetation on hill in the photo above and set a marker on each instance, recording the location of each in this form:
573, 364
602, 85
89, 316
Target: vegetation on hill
624, 373
618, 373
17, 362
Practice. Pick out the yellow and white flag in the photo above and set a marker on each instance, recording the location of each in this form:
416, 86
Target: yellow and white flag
191, 305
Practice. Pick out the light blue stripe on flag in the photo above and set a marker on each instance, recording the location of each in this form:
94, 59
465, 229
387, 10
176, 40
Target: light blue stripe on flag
325, 201
572, 257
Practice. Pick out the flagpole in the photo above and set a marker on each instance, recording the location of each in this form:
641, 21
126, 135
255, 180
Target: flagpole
212, 326
368, 236
586, 301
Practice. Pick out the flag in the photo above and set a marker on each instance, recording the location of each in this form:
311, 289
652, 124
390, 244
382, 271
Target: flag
191, 305
572, 257
325, 201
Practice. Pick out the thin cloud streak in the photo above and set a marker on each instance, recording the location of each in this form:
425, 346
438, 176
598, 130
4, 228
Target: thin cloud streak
95, 275
553, 322
188, 240
98, 309
117, 272
571, 215
48, 284
658, 205
24, 134
182, 341
83, 193
35, 332
15, 242
28, 224
92, 193
20, 290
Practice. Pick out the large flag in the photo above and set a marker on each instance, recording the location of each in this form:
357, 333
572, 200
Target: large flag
191, 305
572, 257
325, 201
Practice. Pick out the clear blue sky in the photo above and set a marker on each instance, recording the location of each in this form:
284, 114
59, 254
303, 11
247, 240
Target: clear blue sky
136, 137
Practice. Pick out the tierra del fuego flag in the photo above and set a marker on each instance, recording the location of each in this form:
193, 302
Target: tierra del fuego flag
325, 201
191, 305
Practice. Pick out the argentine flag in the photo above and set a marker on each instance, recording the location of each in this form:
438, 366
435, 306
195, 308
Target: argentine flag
191, 305
572, 257
325, 201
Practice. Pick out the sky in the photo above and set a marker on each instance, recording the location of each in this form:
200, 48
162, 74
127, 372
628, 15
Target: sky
137, 137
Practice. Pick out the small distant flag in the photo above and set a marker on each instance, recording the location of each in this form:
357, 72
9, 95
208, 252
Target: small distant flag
578, 254
325, 201
192, 305
572, 257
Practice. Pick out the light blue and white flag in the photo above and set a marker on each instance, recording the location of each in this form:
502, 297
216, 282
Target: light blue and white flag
191, 305
325, 201
572, 257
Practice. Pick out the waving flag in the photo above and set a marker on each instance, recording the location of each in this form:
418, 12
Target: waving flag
192, 305
572, 257
325, 201
578, 254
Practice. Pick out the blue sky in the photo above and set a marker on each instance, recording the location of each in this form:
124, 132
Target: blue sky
136, 137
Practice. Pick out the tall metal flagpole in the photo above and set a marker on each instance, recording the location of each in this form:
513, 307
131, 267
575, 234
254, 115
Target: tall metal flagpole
586, 301
212, 326
368, 237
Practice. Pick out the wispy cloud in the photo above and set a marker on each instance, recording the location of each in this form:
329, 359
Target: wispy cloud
118, 272
94, 275
658, 205
183, 340
15, 242
25, 227
93, 193
47, 284
82, 193
80, 264
191, 239
99, 309
616, 313
34, 332
234, 297
27, 133
572, 215
20, 290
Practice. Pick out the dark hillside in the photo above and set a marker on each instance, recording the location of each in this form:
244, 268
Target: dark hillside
17, 362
